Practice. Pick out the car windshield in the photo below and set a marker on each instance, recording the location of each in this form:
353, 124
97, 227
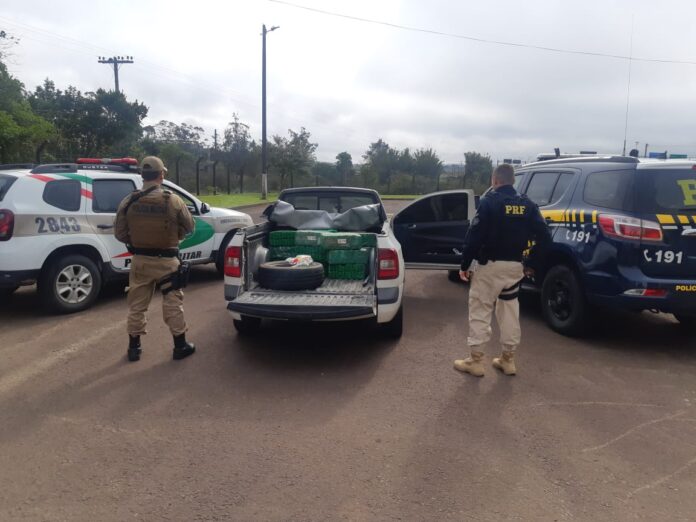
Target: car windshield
5, 183
668, 190
332, 202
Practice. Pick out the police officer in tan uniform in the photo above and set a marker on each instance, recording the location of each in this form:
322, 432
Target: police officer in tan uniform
151, 222
505, 222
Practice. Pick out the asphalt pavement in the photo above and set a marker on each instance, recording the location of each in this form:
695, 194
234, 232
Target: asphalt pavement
327, 422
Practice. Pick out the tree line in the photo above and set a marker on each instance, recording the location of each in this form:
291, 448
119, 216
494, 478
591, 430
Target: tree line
53, 125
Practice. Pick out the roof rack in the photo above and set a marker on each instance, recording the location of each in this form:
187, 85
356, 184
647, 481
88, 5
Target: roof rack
587, 159
55, 168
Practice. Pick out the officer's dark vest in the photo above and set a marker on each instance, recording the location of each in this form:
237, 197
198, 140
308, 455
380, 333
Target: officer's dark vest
509, 227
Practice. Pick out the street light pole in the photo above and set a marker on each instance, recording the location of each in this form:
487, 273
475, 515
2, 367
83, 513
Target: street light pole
264, 144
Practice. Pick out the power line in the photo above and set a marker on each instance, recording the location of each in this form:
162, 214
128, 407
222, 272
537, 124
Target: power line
481, 40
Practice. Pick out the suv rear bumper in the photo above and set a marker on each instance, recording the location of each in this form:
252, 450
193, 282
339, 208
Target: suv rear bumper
680, 296
12, 278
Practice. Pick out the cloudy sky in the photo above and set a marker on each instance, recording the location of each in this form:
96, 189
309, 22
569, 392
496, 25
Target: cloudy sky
350, 82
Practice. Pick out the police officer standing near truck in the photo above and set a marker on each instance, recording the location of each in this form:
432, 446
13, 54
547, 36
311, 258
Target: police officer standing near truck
499, 234
151, 222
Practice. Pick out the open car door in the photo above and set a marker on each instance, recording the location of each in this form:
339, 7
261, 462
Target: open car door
431, 230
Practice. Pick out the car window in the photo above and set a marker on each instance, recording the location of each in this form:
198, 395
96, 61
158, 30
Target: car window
65, 194
541, 187
453, 207
519, 178
608, 189
5, 184
667, 190
329, 202
190, 203
561, 186
419, 212
107, 194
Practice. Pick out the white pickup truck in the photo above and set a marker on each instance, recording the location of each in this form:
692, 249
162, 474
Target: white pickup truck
427, 234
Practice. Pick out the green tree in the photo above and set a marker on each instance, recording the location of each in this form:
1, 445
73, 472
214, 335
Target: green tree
477, 171
428, 165
292, 156
382, 160
325, 173
238, 148
344, 166
22, 131
101, 123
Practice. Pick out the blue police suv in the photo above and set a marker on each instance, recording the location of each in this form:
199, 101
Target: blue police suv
624, 236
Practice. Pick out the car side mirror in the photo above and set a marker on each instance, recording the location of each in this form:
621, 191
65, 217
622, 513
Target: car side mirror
205, 208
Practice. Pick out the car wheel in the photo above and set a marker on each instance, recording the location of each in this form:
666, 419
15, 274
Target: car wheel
281, 275
220, 261
247, 325
563, 301
70, 284
687, 322
394, 328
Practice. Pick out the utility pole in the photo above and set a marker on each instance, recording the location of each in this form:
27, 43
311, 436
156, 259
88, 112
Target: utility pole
116, 61
264, 144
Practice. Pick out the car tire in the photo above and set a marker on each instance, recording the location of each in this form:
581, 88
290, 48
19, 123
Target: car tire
563, 301
688, 322
394, 328
70, 284
220, 261
281, 275
247, 325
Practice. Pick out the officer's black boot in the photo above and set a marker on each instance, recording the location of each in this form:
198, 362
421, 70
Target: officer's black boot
181, 347
134, 350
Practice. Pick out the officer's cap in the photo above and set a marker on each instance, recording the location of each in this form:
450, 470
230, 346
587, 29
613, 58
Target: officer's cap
152, 165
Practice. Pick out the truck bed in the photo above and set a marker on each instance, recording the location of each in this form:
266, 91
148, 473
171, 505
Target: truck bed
333, 292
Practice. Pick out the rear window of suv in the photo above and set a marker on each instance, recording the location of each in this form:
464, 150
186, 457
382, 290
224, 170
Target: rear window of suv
609, 189
65, 194
666, 191
5, 184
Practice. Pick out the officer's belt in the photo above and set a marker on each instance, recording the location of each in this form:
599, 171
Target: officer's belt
155, 252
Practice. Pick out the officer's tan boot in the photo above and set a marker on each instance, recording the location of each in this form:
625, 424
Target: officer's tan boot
472, 364
505, 363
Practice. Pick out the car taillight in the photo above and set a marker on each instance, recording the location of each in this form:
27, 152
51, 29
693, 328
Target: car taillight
646, 292
625, 227
6, 225
233, 261
388, 264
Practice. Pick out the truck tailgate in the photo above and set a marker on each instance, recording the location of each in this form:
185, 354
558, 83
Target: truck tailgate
335, 299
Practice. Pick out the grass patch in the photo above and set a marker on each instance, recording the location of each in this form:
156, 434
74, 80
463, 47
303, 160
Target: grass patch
400, 196
236, 200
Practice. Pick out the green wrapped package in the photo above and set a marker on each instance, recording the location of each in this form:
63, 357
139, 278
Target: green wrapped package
282, 238
369, 240
347, 271
342, 241
283, 252
348, 257
309, 237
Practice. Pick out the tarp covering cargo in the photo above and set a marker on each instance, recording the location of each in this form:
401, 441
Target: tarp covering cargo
356, 219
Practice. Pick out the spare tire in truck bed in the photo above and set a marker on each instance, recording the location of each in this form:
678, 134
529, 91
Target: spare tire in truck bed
281, 275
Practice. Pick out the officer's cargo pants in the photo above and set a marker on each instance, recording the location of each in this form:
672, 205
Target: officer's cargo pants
144, 273
495, 285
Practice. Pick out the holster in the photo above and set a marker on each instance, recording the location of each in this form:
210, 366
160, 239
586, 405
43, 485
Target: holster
176, 280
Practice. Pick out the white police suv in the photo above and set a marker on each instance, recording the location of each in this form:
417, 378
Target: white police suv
56, 229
